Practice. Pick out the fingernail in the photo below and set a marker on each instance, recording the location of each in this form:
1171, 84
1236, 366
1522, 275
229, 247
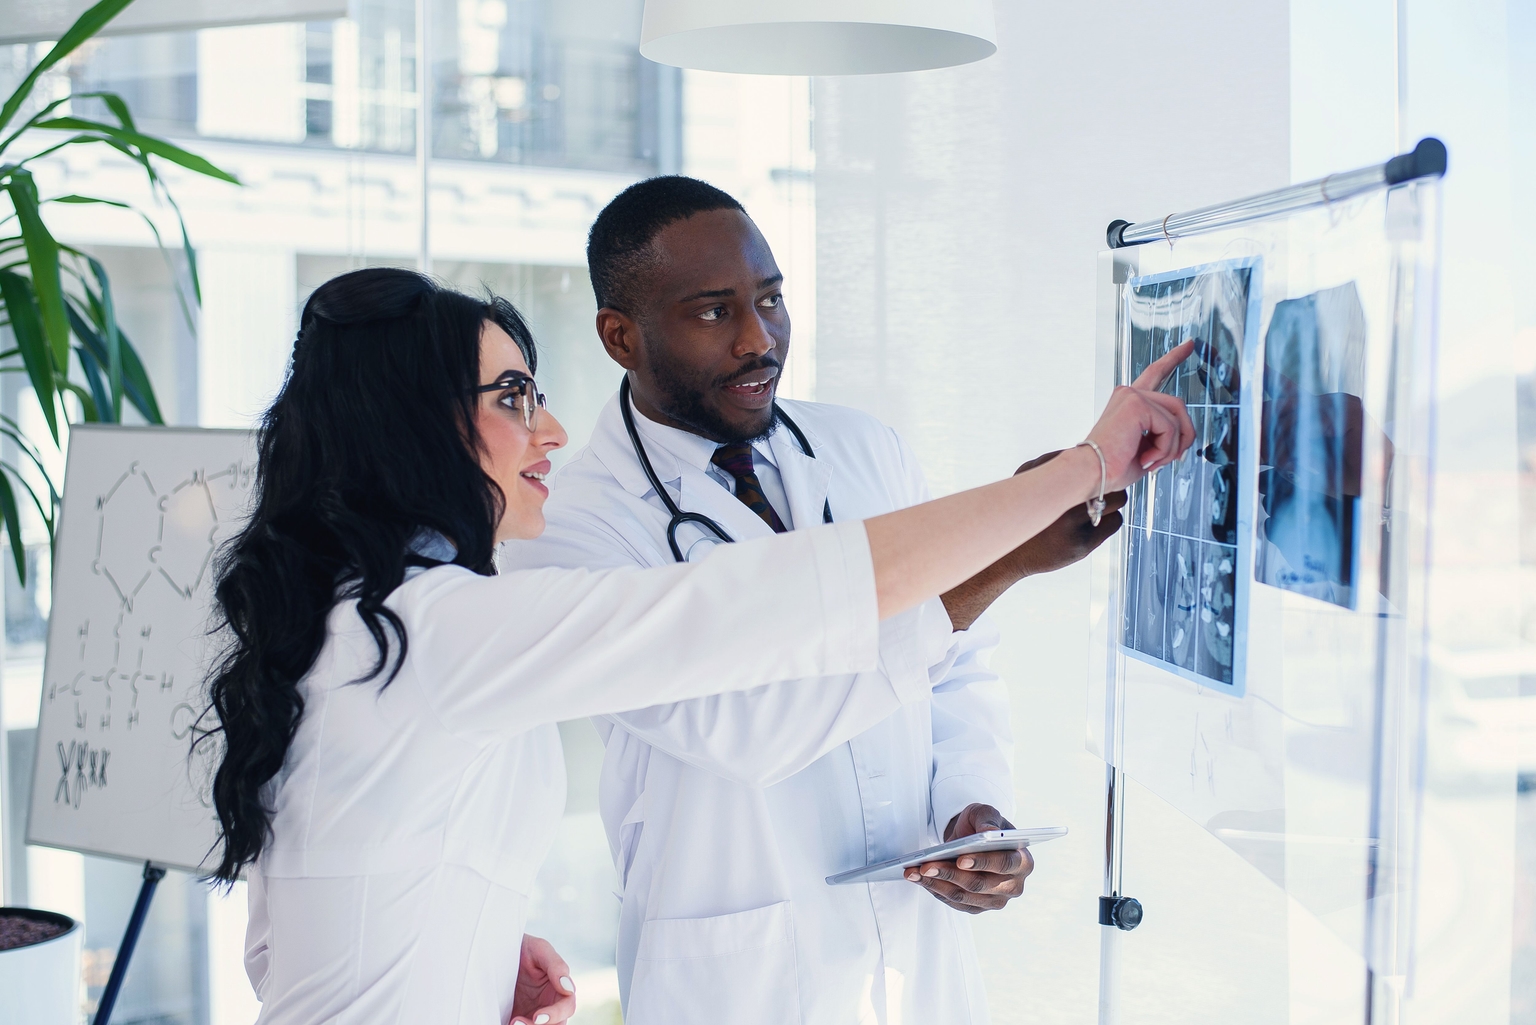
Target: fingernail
930, 872
1148, 464
566, 984
912, 877
966, 862
541, 1019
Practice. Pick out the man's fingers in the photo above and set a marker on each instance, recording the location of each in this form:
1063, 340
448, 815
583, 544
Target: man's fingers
964, 900
999, 862
971, 882
1115, 500
1158, 372
1039, 460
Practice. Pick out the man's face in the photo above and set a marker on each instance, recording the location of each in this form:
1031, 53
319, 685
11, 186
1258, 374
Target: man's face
714, 331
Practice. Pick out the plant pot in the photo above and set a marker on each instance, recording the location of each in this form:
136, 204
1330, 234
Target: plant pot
41, 981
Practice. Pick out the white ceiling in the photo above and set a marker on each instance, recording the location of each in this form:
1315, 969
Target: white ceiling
25, 21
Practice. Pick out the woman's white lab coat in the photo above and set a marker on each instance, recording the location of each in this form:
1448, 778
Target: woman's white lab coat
409, 821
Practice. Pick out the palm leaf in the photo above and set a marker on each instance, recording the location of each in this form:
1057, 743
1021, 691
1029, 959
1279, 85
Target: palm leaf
89, 412
48, 521
92, 370
27, 326
43, 259
136, 386
107, 319
13, 525
145, 143
85, 26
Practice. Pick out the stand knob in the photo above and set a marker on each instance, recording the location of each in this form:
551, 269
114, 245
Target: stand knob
1123, 913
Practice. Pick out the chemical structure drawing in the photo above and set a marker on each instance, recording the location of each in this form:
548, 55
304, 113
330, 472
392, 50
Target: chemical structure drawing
153, 555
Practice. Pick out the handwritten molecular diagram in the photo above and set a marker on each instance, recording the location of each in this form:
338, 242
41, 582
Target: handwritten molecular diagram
145, 573
129, 633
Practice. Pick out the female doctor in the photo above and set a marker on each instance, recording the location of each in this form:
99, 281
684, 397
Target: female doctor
392, 775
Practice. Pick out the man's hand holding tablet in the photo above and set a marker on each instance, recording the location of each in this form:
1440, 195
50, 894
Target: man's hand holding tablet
974, 883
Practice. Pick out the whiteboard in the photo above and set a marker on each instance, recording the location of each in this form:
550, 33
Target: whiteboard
144, 511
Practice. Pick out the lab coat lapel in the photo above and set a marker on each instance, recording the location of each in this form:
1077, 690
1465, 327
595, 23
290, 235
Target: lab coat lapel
611, 445
702, 493
806, 480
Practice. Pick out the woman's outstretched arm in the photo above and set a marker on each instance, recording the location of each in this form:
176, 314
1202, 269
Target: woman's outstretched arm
927, 549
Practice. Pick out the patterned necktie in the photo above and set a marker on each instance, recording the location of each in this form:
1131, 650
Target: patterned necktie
736, 460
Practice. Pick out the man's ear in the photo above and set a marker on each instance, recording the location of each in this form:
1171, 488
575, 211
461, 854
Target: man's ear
620, 336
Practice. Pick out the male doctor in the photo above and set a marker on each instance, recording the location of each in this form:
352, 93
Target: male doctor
726, 814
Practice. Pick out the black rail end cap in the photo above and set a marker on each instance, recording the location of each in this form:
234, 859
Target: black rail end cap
1115, 234
1428, 160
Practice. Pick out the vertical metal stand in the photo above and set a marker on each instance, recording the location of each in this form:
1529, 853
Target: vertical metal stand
1118, 914
152, 876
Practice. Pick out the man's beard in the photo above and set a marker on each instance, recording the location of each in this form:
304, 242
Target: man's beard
683, 401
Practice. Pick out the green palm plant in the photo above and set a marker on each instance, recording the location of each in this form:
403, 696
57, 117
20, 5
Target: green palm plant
56, 299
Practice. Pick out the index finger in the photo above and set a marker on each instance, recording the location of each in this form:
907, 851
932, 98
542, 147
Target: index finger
1160, 370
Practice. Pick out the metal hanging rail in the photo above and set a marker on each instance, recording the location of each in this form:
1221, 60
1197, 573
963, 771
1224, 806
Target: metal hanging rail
1426, 161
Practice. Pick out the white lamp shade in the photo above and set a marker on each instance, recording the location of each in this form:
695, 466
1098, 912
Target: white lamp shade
817, 37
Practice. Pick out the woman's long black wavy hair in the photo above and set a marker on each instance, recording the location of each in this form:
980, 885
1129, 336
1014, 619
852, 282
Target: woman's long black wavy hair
371, 440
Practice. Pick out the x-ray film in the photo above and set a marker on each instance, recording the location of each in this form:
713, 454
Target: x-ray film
1313, 431
1184, 585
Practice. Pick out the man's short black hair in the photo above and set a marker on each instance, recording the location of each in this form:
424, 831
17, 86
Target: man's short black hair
618, 246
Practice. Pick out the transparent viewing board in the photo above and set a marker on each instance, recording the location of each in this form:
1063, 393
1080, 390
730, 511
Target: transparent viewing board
1259, 625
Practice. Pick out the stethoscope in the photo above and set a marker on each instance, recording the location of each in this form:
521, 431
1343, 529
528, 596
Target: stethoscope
678, 516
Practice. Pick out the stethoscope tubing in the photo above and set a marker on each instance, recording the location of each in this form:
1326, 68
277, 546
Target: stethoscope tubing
679, 517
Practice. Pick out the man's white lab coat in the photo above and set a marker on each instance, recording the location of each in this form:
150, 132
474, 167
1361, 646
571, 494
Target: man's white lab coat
726, 814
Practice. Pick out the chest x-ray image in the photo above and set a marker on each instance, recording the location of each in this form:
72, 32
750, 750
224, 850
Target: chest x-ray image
1311, 445
1180, 599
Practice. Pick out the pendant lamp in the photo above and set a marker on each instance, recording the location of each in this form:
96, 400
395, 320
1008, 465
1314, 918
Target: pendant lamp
817, 37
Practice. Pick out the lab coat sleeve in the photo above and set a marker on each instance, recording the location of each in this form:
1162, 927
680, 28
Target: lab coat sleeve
258, 933
504, 654
972, 738
762, 736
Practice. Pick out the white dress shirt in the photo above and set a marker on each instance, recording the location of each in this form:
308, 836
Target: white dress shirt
410, 820
725, 814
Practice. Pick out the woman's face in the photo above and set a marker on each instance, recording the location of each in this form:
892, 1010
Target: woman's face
515, 458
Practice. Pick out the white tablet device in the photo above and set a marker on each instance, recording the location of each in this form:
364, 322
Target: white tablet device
977, 843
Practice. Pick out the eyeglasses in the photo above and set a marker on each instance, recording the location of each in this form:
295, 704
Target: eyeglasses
520, 393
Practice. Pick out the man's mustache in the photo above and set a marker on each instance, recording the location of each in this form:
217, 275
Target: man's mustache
764, 363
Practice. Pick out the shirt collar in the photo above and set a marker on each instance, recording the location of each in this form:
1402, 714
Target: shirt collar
688, 448
430, 544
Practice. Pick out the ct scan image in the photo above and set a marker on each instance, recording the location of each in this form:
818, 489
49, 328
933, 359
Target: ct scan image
1181, 562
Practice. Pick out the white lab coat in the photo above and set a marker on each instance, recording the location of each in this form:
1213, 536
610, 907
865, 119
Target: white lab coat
409, 821
726, 814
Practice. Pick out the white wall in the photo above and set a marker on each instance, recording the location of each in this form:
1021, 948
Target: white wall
958, 216
248, 324
250, 82
751, 136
